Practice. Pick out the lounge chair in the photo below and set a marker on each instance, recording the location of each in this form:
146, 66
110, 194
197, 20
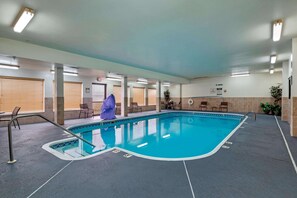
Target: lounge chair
203, 105
84, 109
135, 107
14, 113
224, 105
118, 108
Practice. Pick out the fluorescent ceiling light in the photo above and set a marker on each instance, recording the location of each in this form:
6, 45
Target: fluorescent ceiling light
277, 29
23, 18
112, 75
142, 145
67, 73
113, 79
240, 74
141, 82
271, 71
8, 66
166, 84
142, 79
273, 59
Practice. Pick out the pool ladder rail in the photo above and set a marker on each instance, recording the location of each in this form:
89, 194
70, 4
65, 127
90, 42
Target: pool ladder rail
11, 159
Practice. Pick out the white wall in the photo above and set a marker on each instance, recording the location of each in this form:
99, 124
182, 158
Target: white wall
255, 85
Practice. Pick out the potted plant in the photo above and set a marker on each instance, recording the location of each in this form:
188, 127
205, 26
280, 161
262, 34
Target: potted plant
167, 95
266, 107
276, 93
275, 108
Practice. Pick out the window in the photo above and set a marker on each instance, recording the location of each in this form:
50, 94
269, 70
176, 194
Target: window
72, 95
138, 95
98, 92
98, 95
22, 92
151, 96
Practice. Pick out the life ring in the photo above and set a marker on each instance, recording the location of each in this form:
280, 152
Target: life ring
190, 101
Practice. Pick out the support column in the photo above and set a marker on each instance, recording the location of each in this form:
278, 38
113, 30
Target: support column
124, 97
146, 96
285, 84
131, 96
158, 96
294, 90
181, 96
59, 94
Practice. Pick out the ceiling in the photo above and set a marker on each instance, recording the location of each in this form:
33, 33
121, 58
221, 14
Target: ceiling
188, 39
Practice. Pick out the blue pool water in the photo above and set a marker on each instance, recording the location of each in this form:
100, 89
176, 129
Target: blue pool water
169, 136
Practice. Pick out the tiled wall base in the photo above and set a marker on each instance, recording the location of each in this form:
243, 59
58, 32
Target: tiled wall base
294, 116
285, 109
244, 104
59, 111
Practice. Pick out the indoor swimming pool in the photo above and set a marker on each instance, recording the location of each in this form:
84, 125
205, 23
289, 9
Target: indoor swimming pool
171, 136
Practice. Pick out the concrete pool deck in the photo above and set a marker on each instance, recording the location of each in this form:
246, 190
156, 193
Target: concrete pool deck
257, 164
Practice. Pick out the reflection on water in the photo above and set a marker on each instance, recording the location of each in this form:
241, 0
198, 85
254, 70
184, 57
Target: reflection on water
170, 137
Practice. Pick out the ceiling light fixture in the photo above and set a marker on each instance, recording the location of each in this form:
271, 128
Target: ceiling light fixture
23, 18
113, 79
277, 29
166, 84
67, 73
142, 81
8, 66
243, 74
271, 71
113, 75
273, 59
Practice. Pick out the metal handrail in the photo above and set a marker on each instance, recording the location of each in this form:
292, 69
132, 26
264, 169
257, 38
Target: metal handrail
11, 159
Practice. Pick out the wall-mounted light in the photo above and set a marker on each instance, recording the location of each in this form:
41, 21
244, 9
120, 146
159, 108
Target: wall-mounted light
273, 59
8, 66
277, 30
67, 73
23, 18
242, 74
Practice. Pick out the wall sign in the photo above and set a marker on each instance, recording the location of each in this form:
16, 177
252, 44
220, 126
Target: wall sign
219, 89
